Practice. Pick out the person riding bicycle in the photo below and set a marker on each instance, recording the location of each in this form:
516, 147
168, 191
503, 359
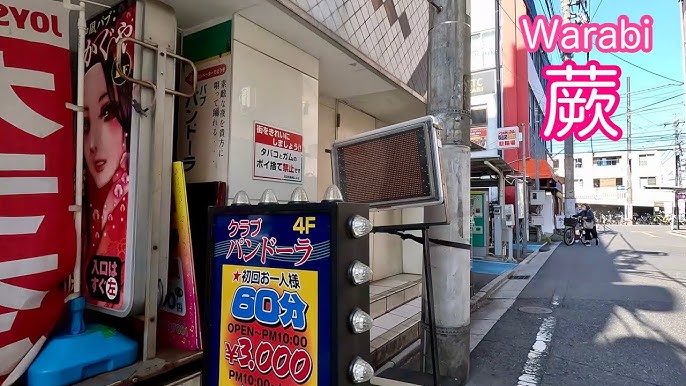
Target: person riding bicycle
589, 224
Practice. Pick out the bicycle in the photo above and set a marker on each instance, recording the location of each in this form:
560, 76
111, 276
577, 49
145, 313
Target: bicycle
573, 230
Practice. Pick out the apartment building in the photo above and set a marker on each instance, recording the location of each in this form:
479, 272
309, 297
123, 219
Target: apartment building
601, 179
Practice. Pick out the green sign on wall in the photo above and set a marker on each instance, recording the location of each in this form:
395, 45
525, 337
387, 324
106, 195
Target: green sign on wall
208, 43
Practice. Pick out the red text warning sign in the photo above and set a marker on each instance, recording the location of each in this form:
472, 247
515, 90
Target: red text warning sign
278, 154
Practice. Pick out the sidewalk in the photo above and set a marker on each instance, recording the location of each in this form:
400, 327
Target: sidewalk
488, 305
504, 295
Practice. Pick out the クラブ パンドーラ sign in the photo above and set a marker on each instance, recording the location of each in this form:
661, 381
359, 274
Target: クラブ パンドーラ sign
270, 301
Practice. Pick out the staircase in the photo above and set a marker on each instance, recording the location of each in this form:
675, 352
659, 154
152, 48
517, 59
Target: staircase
396, 309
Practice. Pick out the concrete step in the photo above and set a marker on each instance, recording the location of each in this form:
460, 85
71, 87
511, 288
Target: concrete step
392, 292
396, 309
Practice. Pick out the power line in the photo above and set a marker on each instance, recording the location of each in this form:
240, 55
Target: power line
645, 69
596, 9
649, 105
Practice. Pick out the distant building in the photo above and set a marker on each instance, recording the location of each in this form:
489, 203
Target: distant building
600, 179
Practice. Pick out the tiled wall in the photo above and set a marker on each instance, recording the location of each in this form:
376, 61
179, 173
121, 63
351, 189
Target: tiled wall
392, 33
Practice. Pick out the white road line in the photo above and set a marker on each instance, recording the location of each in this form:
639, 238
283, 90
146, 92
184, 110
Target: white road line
531, 375
534, 364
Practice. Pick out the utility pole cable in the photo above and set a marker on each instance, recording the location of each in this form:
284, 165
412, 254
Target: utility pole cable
449, 102
629, 183
570, 202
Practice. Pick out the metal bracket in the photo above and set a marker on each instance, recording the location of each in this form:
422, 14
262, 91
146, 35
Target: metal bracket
438, 7
74, 108
162, 148
151, 85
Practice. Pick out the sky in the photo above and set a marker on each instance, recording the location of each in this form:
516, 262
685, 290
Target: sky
655, 100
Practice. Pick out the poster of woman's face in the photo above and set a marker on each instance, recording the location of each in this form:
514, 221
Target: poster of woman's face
106, 139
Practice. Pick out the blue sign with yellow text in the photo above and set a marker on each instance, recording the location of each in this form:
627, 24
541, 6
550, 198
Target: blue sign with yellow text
270, 298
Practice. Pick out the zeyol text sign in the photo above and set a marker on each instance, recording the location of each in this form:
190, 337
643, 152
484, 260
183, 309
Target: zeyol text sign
582, 98
37, 234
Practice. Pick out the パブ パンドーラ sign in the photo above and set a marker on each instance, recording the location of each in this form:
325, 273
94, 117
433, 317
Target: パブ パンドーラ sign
278, 154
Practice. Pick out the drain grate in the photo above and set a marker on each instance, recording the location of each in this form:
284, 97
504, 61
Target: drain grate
520, 277
536, 310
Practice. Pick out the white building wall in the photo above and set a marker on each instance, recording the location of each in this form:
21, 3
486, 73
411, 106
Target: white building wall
659, 166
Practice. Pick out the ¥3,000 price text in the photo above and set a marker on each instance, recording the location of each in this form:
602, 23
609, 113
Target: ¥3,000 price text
266, 358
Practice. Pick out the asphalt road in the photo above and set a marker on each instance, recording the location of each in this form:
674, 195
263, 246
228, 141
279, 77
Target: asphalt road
618, 317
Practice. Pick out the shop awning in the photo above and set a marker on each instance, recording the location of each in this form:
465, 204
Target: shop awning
545, 171
479, 168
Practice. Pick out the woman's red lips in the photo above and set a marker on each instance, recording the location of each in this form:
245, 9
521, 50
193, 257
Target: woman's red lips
100, 165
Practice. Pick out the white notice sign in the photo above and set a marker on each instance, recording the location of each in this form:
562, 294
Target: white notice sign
204, 122
278, 154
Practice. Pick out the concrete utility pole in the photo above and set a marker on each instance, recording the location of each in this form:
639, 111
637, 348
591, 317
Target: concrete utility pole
449, 101
525, 221
629, 183
677, 174
570, 202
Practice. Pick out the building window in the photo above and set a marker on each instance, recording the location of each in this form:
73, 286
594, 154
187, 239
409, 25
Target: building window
578, 163
648, 181
607, 182
556, 165
644, 159
606, 161
483, 50
479, 116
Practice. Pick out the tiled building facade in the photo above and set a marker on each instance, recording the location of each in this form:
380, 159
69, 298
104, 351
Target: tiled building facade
392, 33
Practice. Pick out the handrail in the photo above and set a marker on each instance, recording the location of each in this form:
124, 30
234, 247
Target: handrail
161, 53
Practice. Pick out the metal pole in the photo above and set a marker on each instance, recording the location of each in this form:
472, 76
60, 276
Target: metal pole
570, 201
525, 227
430, 304
629, 182
449, 102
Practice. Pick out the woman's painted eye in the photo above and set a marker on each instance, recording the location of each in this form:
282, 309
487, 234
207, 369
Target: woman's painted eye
86, 126
107, 112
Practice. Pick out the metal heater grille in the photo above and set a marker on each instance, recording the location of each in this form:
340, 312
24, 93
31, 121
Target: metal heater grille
390, 167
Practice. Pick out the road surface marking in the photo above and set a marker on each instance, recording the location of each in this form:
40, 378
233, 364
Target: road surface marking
531, 375
677, 234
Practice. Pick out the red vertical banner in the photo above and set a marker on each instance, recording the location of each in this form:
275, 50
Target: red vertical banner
37, 237
106, 150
